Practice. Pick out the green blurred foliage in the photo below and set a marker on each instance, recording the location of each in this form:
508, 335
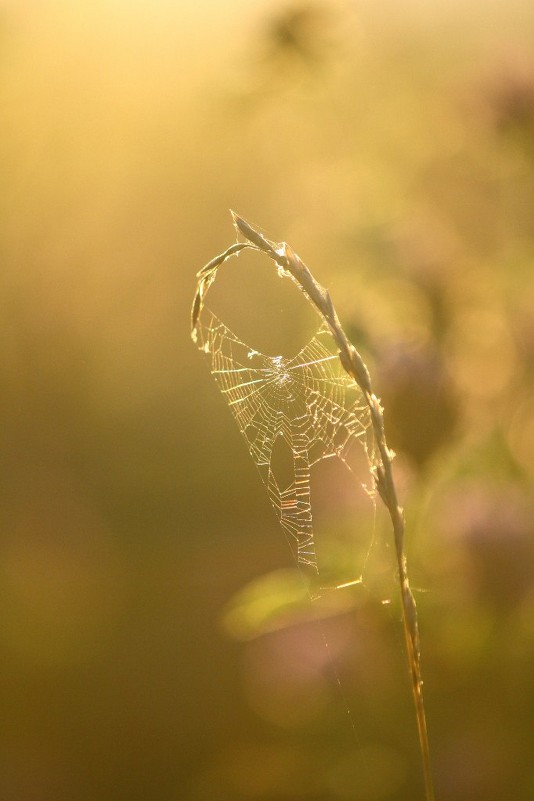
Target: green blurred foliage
393, 146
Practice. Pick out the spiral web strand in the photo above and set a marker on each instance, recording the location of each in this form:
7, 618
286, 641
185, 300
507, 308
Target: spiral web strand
309, 401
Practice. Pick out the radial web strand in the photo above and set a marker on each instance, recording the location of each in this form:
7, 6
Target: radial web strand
309, 401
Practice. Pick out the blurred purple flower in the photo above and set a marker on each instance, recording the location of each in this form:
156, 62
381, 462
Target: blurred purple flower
495, 527
420, 403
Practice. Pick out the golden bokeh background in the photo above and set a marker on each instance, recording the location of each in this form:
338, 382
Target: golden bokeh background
154, 643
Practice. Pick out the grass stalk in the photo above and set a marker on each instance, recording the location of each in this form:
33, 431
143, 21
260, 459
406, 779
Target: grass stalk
288, 261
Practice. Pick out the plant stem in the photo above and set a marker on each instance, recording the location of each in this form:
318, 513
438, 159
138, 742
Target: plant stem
292, 266
354, 365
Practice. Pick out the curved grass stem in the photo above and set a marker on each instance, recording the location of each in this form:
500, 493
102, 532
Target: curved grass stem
291, 265
353, 363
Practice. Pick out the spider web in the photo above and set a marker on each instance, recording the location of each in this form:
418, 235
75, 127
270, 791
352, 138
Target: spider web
308, 400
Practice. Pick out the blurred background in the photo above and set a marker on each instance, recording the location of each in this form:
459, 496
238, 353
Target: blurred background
154, 642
